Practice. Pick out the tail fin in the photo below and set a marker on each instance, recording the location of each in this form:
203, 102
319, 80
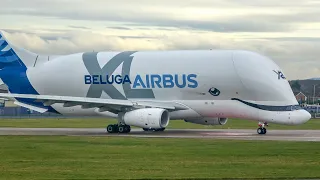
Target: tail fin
11, 56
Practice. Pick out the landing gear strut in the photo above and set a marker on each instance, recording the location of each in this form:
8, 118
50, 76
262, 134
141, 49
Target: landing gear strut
153, 129
262, 129
115, 128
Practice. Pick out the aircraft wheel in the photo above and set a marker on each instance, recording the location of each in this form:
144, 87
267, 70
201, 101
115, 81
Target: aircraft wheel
111, 128
264, 131
146, 129
127, 128
121, 129
124, 129
261, 130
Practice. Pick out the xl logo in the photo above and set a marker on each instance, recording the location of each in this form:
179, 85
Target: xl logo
280, 74
95, 91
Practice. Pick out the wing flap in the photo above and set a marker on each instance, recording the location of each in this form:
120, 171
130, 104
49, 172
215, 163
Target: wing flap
38, 109
63, 99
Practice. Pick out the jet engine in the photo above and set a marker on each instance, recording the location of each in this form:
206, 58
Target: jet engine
208, 121
147, 118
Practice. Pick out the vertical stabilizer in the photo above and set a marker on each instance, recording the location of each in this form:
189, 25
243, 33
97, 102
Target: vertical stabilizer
11, 56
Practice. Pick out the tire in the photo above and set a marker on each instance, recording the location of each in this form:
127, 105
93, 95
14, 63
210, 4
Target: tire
127, 129
115, 128
259, 130
264, 131
121, 129
110, 129
145, 129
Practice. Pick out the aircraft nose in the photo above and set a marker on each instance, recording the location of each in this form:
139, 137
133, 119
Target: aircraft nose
302, 117
306, 115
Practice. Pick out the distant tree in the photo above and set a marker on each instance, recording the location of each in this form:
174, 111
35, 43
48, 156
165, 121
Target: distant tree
296, 85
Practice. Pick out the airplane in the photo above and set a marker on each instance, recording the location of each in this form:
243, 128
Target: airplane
147, 89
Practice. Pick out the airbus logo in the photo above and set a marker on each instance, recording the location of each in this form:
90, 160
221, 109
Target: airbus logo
147, 81
141, 86
280, 74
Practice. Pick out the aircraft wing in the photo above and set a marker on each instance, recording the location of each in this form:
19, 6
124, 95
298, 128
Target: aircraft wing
112, 105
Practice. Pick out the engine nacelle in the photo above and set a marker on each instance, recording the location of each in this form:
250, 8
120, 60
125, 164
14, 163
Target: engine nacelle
208, 121
147, 118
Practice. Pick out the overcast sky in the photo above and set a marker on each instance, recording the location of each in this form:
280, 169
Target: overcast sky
288, 31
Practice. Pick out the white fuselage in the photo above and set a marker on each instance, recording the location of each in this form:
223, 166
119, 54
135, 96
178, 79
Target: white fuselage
243, 84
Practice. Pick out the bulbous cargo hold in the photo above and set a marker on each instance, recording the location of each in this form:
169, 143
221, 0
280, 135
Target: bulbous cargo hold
241, 84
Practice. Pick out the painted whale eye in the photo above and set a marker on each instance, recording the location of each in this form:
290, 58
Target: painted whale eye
214, 91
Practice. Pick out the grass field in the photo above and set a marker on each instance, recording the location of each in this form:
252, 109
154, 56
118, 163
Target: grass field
105, 157
62, 157
101, 123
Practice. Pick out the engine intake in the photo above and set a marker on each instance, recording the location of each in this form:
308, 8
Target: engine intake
147, 118
208, 121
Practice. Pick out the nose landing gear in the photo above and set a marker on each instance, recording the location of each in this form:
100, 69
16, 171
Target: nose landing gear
262, 129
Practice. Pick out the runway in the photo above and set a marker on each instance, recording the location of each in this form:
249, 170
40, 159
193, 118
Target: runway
240, 134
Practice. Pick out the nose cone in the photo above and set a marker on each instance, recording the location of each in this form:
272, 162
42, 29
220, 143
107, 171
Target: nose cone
301, 117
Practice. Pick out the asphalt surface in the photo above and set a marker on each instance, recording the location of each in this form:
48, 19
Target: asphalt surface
241, 134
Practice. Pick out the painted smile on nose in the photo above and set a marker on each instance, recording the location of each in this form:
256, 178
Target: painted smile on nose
270, 108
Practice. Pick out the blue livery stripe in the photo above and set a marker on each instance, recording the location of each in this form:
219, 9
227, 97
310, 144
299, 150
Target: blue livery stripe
9, 59
13, 64
6, 53
2, 41
3, 45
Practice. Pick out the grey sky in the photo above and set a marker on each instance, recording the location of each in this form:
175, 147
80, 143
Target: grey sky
288, 31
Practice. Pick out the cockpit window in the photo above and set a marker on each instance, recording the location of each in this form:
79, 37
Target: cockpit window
296, 107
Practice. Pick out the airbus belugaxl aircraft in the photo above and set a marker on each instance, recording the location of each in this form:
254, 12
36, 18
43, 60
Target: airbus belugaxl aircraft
147, 89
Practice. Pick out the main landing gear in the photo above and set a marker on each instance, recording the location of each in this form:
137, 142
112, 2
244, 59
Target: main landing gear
115, 128
153, 129
262, 129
